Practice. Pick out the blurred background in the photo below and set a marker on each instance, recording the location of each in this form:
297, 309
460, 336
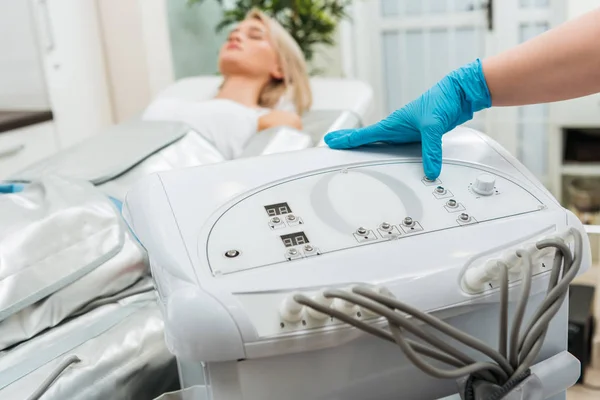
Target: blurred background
71, 68
83, 65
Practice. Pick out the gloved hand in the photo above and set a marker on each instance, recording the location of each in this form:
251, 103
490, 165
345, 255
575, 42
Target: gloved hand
451, 102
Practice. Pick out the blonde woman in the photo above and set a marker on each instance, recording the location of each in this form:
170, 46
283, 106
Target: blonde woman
263, 70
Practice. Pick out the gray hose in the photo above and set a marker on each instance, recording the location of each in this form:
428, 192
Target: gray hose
553, 301
396, 319
530, 358
400, 320
503, 337
439, 325
425, 350
436, 372
534, 337
554, 277
520, 311
559, 259
540, 329
523, 350
556, 269
50, 379
568, 260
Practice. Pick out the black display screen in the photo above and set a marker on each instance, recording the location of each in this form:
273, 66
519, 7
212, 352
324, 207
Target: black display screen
278, 209
294, 239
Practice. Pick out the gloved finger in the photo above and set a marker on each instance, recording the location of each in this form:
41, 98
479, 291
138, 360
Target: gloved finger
339, 139
350, 138
432, 154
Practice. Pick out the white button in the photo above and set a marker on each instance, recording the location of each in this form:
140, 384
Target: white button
484, 184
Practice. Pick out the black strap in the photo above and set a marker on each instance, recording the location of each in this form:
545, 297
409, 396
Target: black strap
509, 386
500, 393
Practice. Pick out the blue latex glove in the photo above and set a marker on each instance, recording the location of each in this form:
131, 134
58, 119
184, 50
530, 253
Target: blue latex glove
451, 102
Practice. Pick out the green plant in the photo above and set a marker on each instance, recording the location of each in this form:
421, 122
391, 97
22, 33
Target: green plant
309, 22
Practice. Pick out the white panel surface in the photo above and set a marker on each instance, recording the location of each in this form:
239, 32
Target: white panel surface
330, 207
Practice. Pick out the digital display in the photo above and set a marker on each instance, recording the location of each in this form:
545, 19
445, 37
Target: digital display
278, 209
294, 239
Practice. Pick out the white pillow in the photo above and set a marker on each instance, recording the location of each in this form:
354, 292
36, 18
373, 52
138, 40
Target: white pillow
204, 88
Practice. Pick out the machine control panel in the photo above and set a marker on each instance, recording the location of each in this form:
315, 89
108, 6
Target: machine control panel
364, 205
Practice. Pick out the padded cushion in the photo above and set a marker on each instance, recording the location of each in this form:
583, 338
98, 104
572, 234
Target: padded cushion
329, 94
107, 155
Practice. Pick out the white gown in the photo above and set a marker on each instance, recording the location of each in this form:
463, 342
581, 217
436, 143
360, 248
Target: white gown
227, 124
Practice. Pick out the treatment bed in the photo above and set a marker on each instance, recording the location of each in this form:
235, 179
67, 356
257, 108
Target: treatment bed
119, 156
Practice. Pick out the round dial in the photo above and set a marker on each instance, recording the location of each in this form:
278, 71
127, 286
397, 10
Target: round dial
484, 184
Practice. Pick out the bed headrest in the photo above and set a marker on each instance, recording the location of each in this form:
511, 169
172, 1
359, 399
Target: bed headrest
328, 93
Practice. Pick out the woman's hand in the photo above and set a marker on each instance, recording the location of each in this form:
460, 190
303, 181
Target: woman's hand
451, 102
279, 118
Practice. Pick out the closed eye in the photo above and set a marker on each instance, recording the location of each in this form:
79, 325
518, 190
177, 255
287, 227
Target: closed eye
256, 33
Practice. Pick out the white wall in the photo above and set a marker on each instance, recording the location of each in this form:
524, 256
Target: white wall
22, 83
328, 59
578, 7
121, 31
137, 53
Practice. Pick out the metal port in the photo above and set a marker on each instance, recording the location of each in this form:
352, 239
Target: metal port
232, 253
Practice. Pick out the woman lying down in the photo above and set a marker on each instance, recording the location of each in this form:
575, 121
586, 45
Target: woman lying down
263, 69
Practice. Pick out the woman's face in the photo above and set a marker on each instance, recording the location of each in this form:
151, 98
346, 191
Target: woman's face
249, 51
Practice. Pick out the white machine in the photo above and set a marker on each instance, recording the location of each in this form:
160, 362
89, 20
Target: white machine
280, 275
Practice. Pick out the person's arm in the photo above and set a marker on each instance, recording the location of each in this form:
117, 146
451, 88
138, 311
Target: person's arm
561, 64
279, 118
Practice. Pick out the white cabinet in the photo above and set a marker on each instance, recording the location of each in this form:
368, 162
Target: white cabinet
73, 61
574, 114
580, 112
21, 147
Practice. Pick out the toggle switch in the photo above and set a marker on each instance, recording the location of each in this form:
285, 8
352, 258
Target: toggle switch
319, 298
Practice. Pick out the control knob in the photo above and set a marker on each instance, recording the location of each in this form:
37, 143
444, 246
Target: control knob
484, 184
